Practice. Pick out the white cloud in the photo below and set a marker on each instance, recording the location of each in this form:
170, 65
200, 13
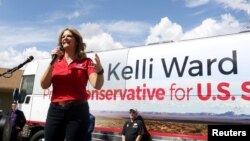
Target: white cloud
88, 30
85, 7
56, 16
124, 31
102, 42
130, 33
11, 58
81, 8
97, 39
99, 36
125, 27
73, 15
199, 13
15, 39
52, 17
164, 31
195, 3
210, 27
38, 54
235, 4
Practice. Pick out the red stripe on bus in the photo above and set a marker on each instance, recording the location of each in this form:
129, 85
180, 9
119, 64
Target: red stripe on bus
156, 133
119, 130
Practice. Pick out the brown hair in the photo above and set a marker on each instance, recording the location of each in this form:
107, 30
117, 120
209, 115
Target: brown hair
80, 45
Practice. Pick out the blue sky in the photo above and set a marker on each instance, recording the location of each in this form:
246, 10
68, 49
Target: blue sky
31, 27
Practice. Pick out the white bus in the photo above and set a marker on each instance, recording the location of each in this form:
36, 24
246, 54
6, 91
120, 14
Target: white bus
178, 88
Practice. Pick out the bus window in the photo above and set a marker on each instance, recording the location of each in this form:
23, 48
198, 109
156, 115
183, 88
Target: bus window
26, 87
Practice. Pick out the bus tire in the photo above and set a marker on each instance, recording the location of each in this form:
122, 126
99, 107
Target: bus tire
5, 128
38, 136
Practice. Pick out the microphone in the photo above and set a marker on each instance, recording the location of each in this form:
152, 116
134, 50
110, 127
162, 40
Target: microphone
21, 65
54, 56
25, 62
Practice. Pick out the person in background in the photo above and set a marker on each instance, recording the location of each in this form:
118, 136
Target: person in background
68, 113
91, 127
133, 128
18, 121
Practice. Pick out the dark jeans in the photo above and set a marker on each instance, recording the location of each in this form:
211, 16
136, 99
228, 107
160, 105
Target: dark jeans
14, 134
70, 122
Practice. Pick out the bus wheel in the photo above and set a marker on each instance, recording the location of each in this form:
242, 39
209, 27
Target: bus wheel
5, 128
38, 136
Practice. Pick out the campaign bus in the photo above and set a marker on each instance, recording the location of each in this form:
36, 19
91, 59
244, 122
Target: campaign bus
179, 88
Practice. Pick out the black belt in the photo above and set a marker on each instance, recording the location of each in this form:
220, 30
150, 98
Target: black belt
69, 103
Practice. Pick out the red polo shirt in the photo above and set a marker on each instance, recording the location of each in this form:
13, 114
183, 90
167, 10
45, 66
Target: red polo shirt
70, 81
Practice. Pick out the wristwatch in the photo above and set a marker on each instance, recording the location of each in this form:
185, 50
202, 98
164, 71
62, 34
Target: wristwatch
100, 72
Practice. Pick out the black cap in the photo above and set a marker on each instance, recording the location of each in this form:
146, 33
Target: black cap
133, 110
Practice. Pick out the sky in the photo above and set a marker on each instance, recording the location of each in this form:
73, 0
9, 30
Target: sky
31, 27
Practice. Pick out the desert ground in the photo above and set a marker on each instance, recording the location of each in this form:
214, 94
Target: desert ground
157, 126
